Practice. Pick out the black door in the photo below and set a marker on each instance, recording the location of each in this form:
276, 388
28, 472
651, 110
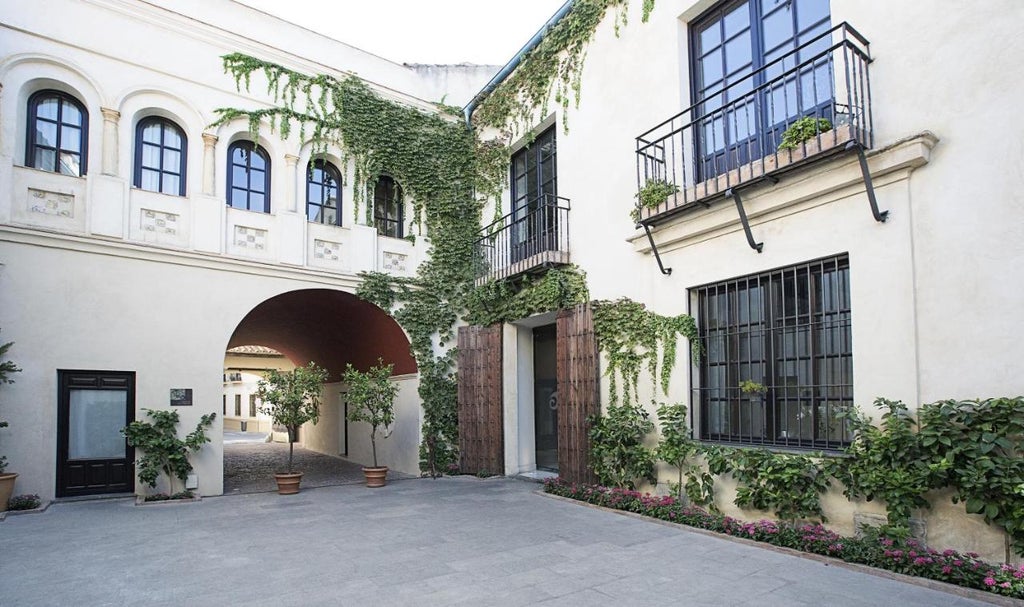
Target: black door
92, 455
545, 397
534, 198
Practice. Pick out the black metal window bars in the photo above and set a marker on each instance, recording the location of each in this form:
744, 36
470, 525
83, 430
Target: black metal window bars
711, 147
533, 236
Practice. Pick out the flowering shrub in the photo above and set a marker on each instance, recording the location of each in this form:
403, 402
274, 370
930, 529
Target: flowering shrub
27, 501
902, 556
163, 497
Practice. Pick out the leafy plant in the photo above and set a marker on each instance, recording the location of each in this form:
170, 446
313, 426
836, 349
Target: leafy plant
676, 446
752, 387
165, 497
654, 192
372, 396
802, 130
617, 453
28, 501
7, 368
886, 463
980, 444
162, 450
500, 301
292, 398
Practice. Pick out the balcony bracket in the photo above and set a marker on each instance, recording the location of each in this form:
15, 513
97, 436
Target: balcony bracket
757, 246
654, 247
880, 216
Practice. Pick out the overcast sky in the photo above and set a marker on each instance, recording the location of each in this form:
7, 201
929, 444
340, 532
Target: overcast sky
422, 31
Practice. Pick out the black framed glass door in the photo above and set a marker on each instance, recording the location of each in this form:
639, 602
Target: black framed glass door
534, 197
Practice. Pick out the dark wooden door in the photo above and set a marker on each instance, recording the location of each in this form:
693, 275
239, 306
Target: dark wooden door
579, 394
92, 454
481, 426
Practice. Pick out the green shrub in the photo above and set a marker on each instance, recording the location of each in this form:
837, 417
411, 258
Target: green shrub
28, 501
802, 130
617, 453
162, 450
655, 192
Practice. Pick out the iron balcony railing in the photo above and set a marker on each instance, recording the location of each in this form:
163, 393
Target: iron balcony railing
534, 236
732, 137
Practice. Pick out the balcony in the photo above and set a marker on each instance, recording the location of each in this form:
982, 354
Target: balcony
526, 240
732, 137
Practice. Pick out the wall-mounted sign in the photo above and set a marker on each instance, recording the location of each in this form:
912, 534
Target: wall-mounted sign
181, 397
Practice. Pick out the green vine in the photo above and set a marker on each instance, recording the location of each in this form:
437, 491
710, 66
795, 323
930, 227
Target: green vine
502, 301
555, 65
632, 337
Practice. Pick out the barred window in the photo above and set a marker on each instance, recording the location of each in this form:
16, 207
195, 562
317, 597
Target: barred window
787, 332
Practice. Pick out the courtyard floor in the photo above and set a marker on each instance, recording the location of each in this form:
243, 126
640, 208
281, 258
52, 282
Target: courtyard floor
414, 542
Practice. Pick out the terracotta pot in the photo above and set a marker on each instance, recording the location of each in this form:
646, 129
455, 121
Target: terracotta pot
376, 477
6, 489
288, 483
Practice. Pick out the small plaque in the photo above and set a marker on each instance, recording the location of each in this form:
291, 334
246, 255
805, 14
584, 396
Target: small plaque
181, 397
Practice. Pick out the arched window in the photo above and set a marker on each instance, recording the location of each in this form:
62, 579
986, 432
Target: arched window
323, 193
58, 133
387, 207
160, 148
248, 177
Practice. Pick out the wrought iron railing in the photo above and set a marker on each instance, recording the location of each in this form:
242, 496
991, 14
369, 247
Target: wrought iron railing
533, 236
732, 137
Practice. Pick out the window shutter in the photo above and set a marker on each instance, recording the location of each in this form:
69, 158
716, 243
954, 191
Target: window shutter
481, 427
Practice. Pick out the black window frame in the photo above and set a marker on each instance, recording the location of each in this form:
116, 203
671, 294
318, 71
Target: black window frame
250, 148
765, 134
182, 168
774, 337
32, 116
326, 168
391, 195
252, 405
238, 405
533, 185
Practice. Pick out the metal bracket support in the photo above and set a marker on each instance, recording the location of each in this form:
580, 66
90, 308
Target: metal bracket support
757, 246
654, 247
880, 216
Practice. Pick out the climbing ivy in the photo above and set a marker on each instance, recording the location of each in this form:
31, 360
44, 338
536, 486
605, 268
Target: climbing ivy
554, 65
632, 337
503, 301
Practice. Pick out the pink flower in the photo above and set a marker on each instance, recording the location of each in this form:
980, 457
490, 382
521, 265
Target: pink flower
990, 581
1004, 585
947, 570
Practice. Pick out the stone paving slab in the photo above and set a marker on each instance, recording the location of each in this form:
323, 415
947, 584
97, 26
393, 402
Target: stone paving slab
249, 467
451, 541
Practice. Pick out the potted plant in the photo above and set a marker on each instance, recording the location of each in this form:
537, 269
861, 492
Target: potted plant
371, 397
292, 398
7, 368
163, 452
653, 194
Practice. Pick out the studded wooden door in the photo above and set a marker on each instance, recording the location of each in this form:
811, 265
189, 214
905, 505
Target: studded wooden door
481, 427
579, 393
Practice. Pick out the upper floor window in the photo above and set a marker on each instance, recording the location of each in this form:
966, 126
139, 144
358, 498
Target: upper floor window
534, 187
160, 150
388, 213
744, 116
58, 133
248, 177
323, 193
788, 332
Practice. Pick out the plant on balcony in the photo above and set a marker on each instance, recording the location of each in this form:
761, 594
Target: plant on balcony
802, 130
371, 395
162, 451
291, 398
653, 194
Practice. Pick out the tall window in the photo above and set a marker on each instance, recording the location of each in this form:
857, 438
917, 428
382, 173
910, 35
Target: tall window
534, 185
58, 133
323, 193
160, 149
248, 177
388, 213
238, 405
787, 330
252, 405
740, 37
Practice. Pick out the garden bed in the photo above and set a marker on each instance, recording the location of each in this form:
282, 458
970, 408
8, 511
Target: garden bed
907, 557
183, 497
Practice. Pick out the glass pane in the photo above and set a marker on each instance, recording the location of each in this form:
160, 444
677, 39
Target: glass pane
71, 139
238, 155
172, 161
238, 198
313, 212
711, 68
46, 133
330, 216
239, 177
70, 114
778, 27
150, 156
257, 181
258, 162
172, 184
809, 12
151, 133
256, 202
47, 108
710, 37
45, 159
331, 201
70, 163
737, 53
314, 193
738, 19
94, 424
172, 138
150, 180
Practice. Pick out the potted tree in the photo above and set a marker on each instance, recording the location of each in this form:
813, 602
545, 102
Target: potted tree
371, 398
292, 398
7, 368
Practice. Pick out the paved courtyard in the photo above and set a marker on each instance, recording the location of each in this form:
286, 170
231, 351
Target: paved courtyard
414, 542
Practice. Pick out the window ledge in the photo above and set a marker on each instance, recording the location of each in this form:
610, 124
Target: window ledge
804, 188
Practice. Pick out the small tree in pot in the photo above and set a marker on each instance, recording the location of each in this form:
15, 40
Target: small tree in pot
292, 398
371, 395
7, 368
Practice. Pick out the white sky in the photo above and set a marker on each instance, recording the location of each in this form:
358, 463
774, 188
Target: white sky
422, 31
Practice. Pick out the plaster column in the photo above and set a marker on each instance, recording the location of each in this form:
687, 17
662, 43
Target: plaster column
110, 120
291, 183
209, 164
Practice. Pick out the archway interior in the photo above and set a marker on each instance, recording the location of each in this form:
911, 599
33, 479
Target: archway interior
333, 328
